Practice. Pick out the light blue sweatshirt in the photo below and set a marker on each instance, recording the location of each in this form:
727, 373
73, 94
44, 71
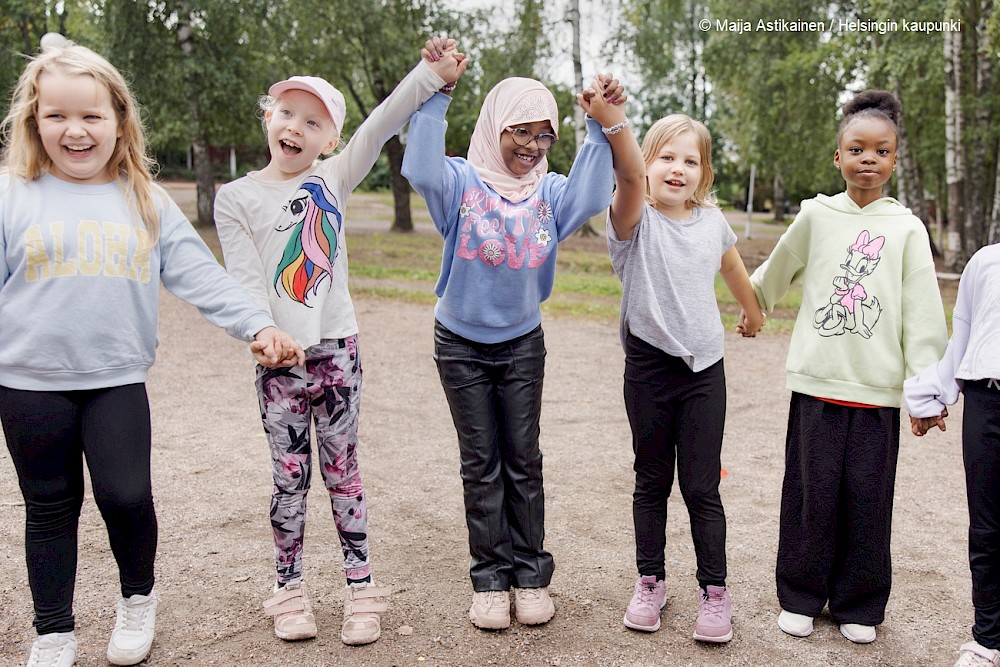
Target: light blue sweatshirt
499, 257
79, 303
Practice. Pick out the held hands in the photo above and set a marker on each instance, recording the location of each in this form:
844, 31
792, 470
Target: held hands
920, 425
749, 325
443, 56
272, 347
604, 100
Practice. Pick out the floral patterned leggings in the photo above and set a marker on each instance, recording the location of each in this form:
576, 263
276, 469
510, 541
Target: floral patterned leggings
327, 392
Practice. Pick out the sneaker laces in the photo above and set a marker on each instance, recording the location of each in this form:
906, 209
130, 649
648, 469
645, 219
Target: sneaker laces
132, 618
647, 594
970, 657
530, 595
713, 605
46, 655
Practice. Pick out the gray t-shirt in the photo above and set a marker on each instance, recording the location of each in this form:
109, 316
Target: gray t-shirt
668, 271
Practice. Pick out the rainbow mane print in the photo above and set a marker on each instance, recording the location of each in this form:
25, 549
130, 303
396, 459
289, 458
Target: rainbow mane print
310, 253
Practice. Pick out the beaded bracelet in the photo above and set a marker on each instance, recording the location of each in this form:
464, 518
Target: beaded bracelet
617, 127
448, 87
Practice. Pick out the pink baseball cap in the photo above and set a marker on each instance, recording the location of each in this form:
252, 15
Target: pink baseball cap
321, 88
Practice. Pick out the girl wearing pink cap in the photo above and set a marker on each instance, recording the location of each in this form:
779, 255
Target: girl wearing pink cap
281, 230
502, 215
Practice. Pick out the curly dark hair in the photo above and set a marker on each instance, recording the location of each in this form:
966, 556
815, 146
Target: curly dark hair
871, 104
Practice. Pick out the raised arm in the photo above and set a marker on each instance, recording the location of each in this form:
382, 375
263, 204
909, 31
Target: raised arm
388, 118
427, 168
626, 157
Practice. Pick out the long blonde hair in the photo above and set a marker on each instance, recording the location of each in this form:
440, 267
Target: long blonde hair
130, 165
669, 128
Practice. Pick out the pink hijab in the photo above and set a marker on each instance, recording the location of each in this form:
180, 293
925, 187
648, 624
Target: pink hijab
511, 102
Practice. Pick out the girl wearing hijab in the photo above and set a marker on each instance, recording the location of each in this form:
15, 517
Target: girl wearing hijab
501, 215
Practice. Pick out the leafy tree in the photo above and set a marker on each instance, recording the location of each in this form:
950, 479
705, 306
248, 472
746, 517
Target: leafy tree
192, 62
778, 98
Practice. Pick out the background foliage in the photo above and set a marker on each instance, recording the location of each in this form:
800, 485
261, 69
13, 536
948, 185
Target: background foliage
771, 98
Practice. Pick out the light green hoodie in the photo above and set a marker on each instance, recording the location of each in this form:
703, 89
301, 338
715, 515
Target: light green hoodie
871, 311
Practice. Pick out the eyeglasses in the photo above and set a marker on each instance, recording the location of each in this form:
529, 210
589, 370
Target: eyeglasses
522, 137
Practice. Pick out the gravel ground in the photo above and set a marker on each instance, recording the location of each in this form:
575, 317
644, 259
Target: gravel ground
212, 484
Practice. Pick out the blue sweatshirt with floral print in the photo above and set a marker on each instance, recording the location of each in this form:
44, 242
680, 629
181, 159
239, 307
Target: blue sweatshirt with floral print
499, 257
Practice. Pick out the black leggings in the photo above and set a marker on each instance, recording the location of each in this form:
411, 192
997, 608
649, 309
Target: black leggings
48, 434
981, 452
677, 416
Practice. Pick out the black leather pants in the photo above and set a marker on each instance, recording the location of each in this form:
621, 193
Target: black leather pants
495, 395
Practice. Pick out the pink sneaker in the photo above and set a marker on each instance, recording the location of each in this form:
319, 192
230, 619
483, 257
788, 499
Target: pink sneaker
643, 611
715, 616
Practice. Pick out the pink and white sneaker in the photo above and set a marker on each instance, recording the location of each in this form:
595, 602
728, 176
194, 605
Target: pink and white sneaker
648, 600
715, 616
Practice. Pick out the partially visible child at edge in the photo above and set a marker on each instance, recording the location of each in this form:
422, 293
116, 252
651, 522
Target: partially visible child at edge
502, 216
871, 316
87, 240
282, 234
971, 366
668, 240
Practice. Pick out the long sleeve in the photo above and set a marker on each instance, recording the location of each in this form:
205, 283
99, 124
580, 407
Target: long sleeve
190, 272
241, 256
927, 393
783, 267
587, 190
386, 120
427, 168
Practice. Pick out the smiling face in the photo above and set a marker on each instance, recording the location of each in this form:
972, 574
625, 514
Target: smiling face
520, 160
674, 175
299, 130
77, 125
866, 157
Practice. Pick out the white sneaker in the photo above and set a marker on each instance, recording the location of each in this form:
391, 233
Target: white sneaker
796, 625
857, 633
132, 637
974, 654
56, 649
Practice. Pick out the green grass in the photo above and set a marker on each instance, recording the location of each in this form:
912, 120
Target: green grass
405, 267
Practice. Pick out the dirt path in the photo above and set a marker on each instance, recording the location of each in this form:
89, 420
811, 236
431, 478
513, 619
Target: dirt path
212, 484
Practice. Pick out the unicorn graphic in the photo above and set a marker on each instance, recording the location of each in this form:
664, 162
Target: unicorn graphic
315, 223
851, 308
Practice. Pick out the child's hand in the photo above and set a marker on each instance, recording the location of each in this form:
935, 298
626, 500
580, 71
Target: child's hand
749, 325
614, 92
443, 56
603, 100
920, 425
435, 47
272, 347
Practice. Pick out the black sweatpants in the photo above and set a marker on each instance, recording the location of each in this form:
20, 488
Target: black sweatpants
836, 510
48, 435
981, 451
676, 414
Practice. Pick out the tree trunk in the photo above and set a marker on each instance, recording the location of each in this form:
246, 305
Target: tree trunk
911, 185
974, 227
579, 123
205, 180
954, 152
993, 234
778, 197
403, 220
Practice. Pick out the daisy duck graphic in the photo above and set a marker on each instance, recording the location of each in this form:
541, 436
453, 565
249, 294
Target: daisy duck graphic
851, 308
315, 223
510, 234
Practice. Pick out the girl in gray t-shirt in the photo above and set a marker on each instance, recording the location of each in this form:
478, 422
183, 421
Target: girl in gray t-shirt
668, 240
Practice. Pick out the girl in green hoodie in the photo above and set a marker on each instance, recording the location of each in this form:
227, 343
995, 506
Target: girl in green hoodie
871, 316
